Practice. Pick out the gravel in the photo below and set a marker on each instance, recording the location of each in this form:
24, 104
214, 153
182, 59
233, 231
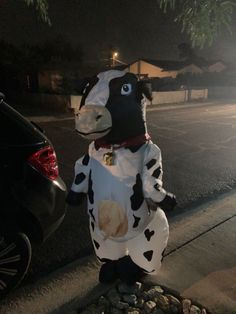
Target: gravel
142, 298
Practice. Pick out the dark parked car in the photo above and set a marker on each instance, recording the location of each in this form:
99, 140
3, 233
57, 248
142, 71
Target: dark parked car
32, 193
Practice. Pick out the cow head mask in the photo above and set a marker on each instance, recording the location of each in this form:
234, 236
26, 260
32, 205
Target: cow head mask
112, 107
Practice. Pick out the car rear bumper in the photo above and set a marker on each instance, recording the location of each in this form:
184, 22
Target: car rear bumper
44, 200
53, 227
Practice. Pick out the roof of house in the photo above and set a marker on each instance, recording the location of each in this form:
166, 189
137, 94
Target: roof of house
174, 65
167, 65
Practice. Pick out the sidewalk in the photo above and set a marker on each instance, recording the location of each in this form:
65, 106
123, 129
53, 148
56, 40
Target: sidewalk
201, 258
200, 263
42, 115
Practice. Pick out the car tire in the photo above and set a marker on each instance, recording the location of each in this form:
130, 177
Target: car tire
15, 258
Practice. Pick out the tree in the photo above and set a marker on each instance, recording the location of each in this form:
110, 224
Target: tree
42, 8
202, 20
186, 52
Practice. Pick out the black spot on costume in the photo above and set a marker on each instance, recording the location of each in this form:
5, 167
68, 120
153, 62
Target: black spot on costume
137, 198
149, 234
79, 178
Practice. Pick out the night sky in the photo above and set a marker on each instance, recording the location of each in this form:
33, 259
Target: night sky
137, 28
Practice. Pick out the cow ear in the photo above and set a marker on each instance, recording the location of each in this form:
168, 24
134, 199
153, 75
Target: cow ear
144, 88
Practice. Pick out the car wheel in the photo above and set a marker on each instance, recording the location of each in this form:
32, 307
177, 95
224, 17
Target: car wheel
15, 257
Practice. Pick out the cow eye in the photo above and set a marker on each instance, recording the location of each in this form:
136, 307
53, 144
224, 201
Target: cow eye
126, 89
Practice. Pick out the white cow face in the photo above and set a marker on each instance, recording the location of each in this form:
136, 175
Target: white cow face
93, 120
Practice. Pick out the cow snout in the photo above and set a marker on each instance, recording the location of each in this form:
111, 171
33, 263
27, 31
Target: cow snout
93, 121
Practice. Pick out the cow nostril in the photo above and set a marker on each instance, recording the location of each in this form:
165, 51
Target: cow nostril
98, 117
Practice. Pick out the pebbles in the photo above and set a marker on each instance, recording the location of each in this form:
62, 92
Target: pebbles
142, 299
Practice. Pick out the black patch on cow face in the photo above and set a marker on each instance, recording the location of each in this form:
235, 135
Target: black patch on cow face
151, 163
135, 148
137, 198
92, 225
85, 160
91, 214
148, 255
127, 110
88, 84
144, 88
136, 221
149, 234
156, 173
90, 188
97, 245
79, 178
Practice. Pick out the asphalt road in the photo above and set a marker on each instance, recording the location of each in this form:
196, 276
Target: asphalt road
198, 148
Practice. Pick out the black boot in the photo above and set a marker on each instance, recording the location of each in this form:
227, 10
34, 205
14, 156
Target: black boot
108, 272
128, 271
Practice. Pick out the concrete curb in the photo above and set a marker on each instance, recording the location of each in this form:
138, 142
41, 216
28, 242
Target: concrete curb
61, 292
162, 107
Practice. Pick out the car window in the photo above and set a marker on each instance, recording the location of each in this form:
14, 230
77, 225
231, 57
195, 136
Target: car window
15, 130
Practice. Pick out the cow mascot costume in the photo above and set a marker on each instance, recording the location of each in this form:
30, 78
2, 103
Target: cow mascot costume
122, 177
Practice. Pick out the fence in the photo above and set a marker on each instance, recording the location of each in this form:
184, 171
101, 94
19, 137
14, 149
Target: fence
222, 92
178, 96
65, 102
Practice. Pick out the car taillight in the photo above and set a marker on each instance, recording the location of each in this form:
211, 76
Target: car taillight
45, 161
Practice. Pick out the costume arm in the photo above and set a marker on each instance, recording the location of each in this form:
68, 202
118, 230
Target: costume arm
154, 193
79, 186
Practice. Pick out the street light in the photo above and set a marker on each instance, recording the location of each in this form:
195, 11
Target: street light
114, 56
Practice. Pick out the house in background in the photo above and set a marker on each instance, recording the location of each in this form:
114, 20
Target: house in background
51, 77
216, 66
149, 68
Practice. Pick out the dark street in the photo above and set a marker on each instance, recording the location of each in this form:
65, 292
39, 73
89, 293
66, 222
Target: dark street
198, 150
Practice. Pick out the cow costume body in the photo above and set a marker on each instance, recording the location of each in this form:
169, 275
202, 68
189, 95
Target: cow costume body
122, 178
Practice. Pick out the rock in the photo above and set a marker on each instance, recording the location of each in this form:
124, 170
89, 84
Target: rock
114, 310
175, 309
194, 310
149, 306
186, 305
158, 311
162, 302
158, 289
140, 303
154, 292
113, 296
145, 295
132, 311
122, 305
103, 301
131, 299
173, 300
134, 289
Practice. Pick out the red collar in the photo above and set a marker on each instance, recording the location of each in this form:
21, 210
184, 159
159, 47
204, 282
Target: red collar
133, 141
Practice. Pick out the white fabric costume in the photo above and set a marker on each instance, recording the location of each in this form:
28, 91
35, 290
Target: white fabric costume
118, 196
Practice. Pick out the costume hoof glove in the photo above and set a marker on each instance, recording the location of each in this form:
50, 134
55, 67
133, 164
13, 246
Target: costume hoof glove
168, 203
